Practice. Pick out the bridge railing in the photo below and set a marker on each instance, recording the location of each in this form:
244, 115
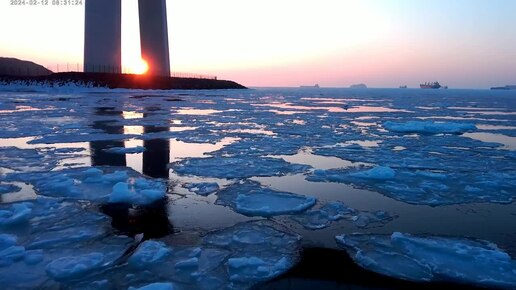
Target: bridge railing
192, 75
30, 70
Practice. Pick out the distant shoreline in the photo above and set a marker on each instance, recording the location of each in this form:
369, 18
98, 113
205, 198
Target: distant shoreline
120, 81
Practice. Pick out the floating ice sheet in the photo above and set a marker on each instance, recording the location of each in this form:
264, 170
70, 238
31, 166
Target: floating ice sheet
237, 167
437, 166
422, 258
57, 243
8, 188
333, 211
429, 127
203, 188
17, 213
432, 187
156, 286
259, 252
124, 150
149, 253
73, 267
250, 198
100, 184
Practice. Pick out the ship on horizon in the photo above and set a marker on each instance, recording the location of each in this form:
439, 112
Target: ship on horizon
316, 86
430, 85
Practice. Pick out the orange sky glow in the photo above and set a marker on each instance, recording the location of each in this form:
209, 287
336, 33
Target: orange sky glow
292, 43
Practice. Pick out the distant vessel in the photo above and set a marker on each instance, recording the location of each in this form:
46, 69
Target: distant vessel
434, 85
358, 86
513, 87
314, 86
403, 87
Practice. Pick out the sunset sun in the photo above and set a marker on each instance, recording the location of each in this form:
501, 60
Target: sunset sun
140, 67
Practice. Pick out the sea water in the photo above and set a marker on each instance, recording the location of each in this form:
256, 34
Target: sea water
224, 189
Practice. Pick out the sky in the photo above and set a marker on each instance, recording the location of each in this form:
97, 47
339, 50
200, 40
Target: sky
382, 43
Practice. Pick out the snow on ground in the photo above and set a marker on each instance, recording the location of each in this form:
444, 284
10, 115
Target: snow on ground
427, 258
65, 152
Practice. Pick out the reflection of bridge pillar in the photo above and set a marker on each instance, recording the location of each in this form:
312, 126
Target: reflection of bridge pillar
102, 36
100, 157
157, 154
154, 36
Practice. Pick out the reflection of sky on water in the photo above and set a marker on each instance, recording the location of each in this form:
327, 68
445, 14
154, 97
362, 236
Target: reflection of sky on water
252, 121
316, 161
508, 142
344, 109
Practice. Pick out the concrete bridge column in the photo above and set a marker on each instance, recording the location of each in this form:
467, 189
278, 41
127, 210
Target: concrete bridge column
154, 36
103, 36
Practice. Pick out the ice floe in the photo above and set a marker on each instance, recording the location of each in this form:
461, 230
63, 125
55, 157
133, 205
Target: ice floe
429, 258
259, 252
8, 188
17, 213
422, 155
95, 184
429, 127
73, 267
140, 193
232, 167
125, 150
431, 187
252, 199
203, 188
149, 253
322, 217
156, 286
376, 173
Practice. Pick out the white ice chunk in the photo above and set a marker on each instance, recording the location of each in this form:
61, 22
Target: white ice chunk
7, 240
126, 150
252, 199
156, 286
151, 195
149, 253
93, 175
18, 213
270, 203
432, 258
10, 255
8, 188
237, 167
33, 257
335, 210
322, 217
93, 172
244, 269
376, 173
429, 127
188, 263
116, 176
74, 266
203, 188
259, 252
123, 192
